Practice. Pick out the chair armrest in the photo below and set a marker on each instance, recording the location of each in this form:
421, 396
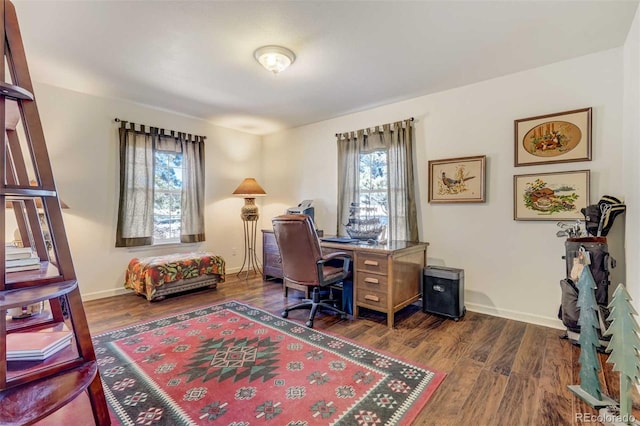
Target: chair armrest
336, 254
346, 262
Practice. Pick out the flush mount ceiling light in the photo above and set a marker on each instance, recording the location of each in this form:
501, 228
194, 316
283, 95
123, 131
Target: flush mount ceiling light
274, 58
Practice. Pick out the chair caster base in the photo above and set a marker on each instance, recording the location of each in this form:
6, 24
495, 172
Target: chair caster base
309, 324
285, 314
343, 316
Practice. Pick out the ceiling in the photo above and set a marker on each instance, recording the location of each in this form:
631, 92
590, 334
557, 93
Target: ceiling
196, 57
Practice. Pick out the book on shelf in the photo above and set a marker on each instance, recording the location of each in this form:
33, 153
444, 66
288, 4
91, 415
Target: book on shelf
32, 267
36, 346
31, 260
12, 252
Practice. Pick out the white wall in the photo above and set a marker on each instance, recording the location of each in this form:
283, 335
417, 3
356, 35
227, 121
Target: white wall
512, 268
631, 155
82, 140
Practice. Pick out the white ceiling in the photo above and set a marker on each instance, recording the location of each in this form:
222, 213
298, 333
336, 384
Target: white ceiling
196, 57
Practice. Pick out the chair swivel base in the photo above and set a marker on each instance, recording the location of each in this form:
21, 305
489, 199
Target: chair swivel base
315, 303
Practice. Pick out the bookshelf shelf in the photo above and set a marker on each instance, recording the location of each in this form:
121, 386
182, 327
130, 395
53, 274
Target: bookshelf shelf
36, 321
19, 372
33, 401
23, 296
30, 390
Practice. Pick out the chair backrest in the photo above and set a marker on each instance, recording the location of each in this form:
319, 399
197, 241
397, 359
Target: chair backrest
299, 248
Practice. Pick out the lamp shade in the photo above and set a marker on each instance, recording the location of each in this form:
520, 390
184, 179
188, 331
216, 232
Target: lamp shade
249, 188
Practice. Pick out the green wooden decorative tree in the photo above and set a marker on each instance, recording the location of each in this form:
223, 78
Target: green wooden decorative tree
588, 322
589, 389
624, 346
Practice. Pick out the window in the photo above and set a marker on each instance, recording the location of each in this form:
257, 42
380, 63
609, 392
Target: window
167, 196
373, 182
375, 176
161, 188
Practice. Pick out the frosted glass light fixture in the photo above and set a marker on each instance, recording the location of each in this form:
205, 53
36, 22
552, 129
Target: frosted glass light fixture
274, 58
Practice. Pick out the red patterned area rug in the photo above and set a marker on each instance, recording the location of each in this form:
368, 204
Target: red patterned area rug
234, 364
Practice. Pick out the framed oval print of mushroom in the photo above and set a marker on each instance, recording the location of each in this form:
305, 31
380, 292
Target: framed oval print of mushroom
550, 196
457, 180
554, 138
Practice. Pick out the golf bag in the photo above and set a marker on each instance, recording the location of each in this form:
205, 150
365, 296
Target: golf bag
598, 252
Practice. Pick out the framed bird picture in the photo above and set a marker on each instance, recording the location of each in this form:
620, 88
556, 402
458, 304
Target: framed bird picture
457, 180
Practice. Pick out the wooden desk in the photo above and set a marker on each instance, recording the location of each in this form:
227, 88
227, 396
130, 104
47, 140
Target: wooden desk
386, 277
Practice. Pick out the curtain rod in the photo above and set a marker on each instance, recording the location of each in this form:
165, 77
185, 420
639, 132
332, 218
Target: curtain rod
379, 125
161, 131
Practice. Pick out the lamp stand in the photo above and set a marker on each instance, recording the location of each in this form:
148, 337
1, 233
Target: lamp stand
250, 215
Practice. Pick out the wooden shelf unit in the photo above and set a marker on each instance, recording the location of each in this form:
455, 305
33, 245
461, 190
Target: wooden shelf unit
32, 390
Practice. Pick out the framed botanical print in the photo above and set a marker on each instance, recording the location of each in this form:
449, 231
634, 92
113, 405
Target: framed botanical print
554, 138
550, 196
457, 180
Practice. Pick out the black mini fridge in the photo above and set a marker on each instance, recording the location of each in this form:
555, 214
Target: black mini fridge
443, 291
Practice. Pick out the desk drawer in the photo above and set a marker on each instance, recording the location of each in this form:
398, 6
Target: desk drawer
371, 282
374, 299
272, 263
269, 241
372, 262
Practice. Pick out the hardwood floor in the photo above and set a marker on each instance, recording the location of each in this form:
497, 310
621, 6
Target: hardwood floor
499, 371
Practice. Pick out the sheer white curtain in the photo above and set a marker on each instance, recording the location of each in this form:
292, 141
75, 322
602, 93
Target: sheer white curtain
397, 140
192, 205
350, 146
135, 212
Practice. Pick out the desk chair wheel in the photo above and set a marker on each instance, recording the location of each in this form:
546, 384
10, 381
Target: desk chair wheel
309, 324
285, 314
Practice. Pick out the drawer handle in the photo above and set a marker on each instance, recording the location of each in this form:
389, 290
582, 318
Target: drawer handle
372, 298
371, 262
371, 280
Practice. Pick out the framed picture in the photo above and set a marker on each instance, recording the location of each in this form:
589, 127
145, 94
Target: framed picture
457, 180
554, 138
550, 196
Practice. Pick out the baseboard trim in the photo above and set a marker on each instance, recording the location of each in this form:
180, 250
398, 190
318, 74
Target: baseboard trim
473, 307
514, 315
104, 293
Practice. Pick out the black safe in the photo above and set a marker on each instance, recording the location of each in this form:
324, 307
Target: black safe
443, 291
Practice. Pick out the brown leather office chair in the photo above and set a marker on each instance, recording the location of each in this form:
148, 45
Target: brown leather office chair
304, 264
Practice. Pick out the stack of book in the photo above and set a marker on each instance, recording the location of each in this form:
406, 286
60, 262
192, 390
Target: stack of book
20, 259
36, 346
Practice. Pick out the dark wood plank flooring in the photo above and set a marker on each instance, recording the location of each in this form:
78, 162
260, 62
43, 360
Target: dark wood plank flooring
500, 372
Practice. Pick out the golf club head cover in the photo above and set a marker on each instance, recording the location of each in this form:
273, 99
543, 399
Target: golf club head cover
617, 208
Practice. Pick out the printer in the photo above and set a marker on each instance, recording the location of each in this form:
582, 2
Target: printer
303, 208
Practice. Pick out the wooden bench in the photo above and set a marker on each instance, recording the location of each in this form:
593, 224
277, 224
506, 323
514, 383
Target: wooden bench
157, 276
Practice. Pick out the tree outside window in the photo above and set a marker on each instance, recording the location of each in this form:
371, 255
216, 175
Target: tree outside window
374, 183
167, 197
